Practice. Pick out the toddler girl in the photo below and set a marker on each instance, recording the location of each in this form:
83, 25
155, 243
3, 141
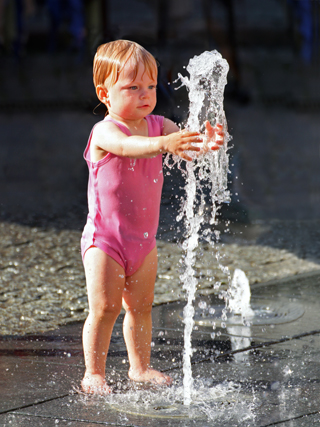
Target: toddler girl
124, 157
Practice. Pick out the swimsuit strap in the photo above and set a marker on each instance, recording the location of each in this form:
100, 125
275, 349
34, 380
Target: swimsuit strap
120, 125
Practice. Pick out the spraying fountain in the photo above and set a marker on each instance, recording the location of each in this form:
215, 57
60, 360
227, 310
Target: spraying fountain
206, 186
208, 77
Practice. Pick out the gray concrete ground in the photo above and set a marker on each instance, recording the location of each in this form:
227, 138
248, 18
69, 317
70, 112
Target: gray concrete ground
263, 374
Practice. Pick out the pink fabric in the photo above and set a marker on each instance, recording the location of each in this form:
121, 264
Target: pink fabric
124, 203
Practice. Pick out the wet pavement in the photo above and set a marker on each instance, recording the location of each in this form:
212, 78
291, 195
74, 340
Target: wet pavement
261, 374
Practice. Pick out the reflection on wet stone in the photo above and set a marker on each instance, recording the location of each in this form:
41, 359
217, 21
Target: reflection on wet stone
42, 283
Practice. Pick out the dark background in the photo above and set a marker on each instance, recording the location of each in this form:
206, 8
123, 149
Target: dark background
272, 100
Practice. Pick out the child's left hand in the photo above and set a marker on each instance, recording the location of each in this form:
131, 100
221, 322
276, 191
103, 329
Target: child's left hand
214, 137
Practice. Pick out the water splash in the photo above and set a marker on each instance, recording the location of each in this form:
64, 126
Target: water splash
206, 180
132, 164
212, 403
240, 295
238, 302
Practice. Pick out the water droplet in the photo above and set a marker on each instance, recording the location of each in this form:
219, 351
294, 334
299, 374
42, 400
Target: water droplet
132, 164
202, 305
155, 181
275, 385
287, 371
145, 235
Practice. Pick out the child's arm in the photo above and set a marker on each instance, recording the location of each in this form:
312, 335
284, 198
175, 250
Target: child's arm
107, 137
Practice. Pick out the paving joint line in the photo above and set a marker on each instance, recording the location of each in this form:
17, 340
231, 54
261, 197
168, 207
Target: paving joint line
251, 347
105, 423
29, 405
297, 417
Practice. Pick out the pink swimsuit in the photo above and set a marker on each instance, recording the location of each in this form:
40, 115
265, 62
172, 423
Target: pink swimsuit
124, 203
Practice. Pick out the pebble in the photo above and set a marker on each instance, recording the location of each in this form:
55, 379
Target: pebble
43, 283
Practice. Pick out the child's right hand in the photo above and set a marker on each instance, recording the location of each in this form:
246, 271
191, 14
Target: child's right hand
180, 142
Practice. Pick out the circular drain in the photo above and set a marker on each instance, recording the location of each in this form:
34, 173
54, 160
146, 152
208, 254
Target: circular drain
153, 410
176, 410
265, 313
170, 405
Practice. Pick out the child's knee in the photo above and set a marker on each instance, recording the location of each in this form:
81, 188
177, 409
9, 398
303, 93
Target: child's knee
106, 311
143, 305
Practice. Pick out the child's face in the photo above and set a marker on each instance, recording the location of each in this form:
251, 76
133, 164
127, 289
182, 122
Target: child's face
132, 99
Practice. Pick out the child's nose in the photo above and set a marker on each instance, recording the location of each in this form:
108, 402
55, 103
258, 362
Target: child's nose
144, 93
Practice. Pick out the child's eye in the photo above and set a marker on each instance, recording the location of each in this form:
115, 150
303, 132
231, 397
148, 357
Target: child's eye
153, 87
133, 87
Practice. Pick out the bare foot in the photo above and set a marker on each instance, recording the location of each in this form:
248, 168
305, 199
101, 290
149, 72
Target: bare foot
95, 384
150, 376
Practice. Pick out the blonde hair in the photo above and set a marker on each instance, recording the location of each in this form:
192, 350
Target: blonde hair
111, 58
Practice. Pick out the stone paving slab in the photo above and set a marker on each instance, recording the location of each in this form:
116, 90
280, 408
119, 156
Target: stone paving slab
29, 421
26, 382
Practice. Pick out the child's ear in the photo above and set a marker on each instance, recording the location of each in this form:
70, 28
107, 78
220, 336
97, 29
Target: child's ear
102, 94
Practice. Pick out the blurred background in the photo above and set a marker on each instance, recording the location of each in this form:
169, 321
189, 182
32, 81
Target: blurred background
272, 100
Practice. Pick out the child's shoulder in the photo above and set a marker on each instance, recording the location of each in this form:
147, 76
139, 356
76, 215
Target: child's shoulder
108, 124
105, 130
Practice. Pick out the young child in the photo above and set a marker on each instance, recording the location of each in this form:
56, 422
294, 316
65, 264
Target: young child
124, 157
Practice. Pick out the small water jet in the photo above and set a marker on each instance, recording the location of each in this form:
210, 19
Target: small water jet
243, 310
240, 296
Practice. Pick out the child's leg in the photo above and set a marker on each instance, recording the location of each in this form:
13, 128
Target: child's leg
105, 283
137, 327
